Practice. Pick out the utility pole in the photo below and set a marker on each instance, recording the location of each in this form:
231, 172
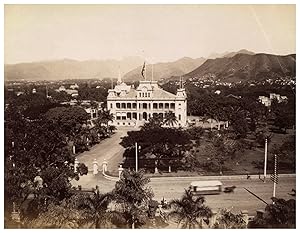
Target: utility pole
266, 158
136, 157
274, 176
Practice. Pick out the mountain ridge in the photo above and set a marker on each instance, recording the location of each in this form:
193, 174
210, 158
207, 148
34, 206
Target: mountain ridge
242, 67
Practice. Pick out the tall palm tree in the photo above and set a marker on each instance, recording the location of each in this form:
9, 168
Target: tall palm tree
105, 116
170, 118
189, 211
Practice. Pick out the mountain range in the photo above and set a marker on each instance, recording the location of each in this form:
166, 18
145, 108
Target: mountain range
70, 69
243, 67
229, 66
165, 70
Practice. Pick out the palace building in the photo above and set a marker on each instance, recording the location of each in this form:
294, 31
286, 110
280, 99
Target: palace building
134, 107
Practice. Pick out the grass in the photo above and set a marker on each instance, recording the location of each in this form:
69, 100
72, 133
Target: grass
241, 165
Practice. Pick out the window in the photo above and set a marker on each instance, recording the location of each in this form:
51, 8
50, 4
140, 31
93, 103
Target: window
179, 117
149, 94
172, 105
123, 117
118, 118
118, 105
161, 105
111, 105
123, 105
143, 94
134, 105
129, 115
140, 94
134, 115
144, 106
128, 105
123, 123
154, 105
167, 105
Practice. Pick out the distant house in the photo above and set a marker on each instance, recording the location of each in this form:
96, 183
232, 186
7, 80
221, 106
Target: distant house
218, 92
61, 88
265, 100
72, 92
33, 90
278, 97
233, 96
74, 86
18, 93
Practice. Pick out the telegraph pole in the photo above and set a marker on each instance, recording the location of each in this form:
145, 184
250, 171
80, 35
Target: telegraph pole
266, 159
274, 176
136, 157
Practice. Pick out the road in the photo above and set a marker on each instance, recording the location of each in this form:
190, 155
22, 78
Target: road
108, 149
173, 187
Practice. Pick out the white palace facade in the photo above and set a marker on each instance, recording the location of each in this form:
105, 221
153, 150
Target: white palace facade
134, 107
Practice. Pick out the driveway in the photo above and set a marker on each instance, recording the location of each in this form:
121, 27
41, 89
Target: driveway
108, 149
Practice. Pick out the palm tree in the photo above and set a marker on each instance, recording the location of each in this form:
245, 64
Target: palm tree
95, 207
105, 116
132, 196
170, 118
190, 210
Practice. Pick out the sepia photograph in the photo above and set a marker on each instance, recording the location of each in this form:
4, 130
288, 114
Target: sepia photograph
149, 116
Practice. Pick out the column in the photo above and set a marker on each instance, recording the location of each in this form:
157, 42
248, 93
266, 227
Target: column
104, 166
95, 167
75, 165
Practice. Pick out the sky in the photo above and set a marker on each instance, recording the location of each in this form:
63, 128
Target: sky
158, 33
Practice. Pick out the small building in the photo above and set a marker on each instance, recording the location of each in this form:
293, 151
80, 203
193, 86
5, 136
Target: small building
61, 88
74, 86
265, 100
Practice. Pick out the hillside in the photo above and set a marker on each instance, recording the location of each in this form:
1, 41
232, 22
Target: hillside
165, 70
242, 67
70, 69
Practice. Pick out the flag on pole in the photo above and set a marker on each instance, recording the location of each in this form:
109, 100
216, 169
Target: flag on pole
143, 70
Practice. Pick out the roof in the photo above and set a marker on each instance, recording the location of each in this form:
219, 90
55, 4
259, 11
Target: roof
162, 94
206, 183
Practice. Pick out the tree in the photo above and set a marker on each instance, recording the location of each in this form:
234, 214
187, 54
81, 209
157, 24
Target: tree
280, 214
36, 148
189, 211
70, 119
170, 119
133, 196
159, 142
95, 207
60, 215
229, 220
154, 122
101, 123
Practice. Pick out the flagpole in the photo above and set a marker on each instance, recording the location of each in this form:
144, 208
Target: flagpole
152, 73
145, 70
